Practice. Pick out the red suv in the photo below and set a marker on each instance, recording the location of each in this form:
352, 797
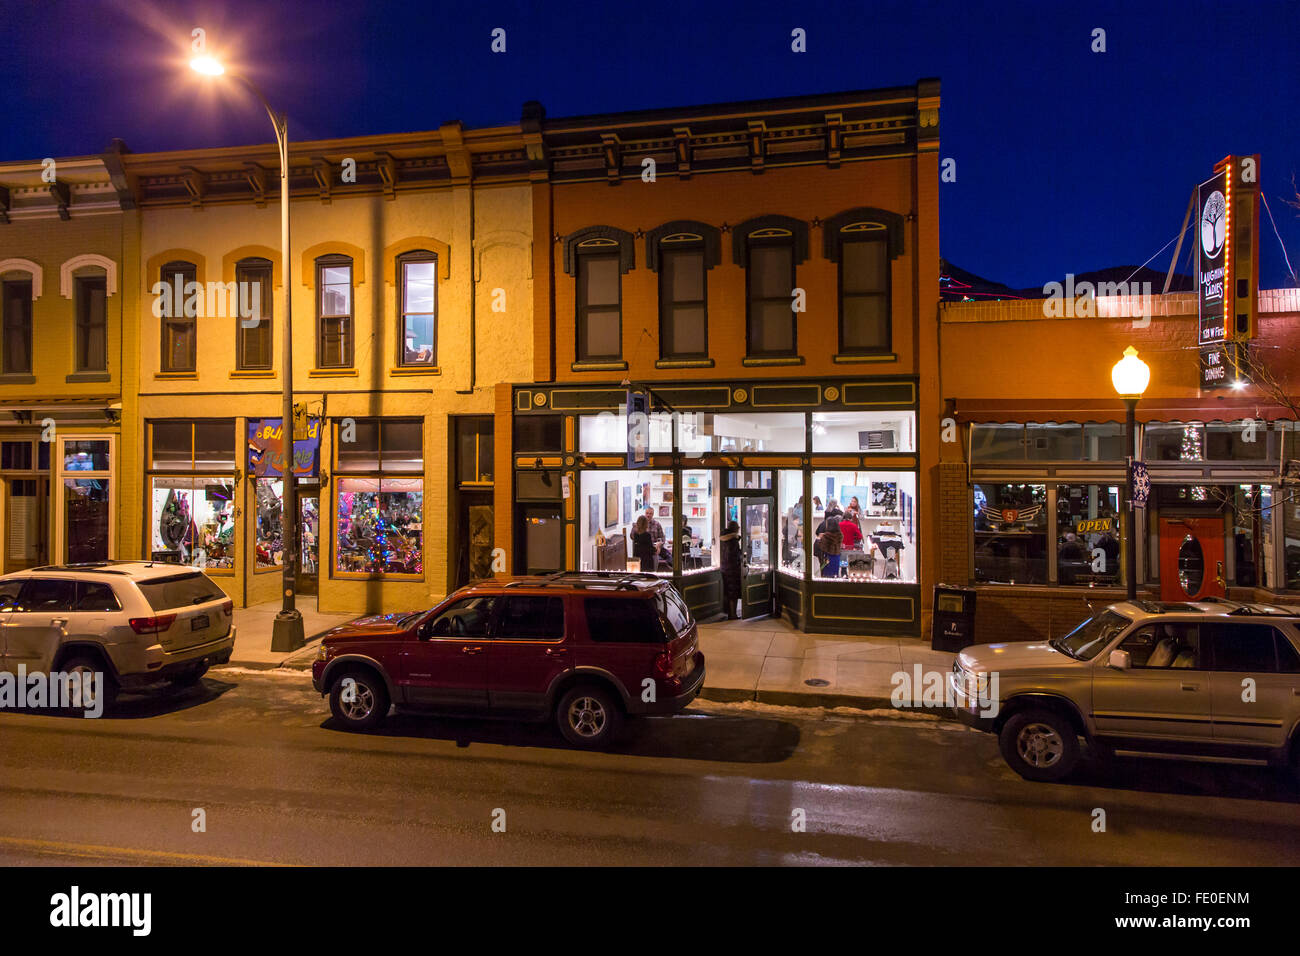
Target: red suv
584, 648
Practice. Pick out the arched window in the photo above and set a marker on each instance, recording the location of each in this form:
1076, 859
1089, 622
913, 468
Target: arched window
417, 308
334, 312
177, 306
597, 257
253, 337
682, 252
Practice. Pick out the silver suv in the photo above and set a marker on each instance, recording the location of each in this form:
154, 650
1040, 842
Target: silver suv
1211, 679
136, 623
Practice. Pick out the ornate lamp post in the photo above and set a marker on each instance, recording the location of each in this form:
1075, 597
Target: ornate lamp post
1130, 376
287, 634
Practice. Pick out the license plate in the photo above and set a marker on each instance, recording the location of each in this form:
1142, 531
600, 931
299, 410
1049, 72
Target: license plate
198, 623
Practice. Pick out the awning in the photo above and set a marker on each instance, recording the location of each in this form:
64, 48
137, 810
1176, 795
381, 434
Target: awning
995, 411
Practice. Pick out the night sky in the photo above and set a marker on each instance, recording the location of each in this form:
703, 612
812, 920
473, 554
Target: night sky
1067, 160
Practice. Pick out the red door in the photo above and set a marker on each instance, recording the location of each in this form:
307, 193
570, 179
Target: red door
1191, 558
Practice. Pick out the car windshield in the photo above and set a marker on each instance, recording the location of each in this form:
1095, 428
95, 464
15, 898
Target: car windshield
1087, 640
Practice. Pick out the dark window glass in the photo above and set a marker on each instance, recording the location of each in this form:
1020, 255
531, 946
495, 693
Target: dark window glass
471, 617
539, 433
214, 445
180, 591
85, 456
418, 299
1288, 659
253, 345
676, 611
94, 596
401, 444
1173, 644
683, 310
92, 313
864, 296
1053, 442
624, 621
531, 617
1104, 442
771, 284
1247, 648
600, 317
16, 455
45, 594
473, 450
537, 484
172, 445
997, 443
334, 312
179, 327
9, 591
357, 441
17, 308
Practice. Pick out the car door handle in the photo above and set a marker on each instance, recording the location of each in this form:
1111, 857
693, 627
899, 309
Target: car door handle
1190, 686
59, 621
470, 650
556, 651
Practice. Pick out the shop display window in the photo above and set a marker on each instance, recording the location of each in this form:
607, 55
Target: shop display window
748, 432
1219, 441
1252, 538
1010, 533
606, 432
270, 509
700, 521
858, 432
380, 525
1048, 441
1089, 541
874, 513
792, 514
609, 507
193, 521
1289, 501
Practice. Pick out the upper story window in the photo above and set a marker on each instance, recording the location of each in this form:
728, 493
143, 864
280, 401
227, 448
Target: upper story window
91, 349
597, 257
418, 308
770, 248
334, 315
253, 338
864, 242
16, 303
179, 325
683, 252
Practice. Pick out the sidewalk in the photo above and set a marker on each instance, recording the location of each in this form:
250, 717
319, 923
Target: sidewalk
765, 660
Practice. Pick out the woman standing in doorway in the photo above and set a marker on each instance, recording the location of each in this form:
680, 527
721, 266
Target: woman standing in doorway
730, 558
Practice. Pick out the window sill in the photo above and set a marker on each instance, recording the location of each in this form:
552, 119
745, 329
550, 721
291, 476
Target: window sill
253, 373
277, 569
17, 378
753, 360
177, 375
89, 377
332, 373
598, 367
415, 370
864, 358
684, 363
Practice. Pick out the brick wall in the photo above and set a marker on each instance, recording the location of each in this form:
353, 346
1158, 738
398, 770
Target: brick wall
1035, 614
954, 523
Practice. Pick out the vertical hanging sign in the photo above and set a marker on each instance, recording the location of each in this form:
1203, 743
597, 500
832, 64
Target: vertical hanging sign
1211, 258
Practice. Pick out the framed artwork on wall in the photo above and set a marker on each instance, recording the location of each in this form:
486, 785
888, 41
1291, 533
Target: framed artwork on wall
627, 505
611, 503
593, 514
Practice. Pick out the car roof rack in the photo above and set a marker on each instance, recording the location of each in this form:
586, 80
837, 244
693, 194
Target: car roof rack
1265, 610
613, 580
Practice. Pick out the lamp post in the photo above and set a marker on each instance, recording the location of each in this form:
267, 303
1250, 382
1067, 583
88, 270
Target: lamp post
1130, 376
287, 632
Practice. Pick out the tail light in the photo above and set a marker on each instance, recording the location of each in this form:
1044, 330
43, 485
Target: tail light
227, 608
663, 666
152, 625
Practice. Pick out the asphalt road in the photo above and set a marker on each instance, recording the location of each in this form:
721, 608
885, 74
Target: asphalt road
720, 784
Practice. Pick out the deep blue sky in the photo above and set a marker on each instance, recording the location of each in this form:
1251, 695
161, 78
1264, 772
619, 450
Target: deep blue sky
1067, 160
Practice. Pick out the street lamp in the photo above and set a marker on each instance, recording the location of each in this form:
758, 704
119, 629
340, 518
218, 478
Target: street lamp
287, 633
1130, 377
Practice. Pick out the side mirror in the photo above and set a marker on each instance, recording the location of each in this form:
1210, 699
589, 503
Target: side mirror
1119, 660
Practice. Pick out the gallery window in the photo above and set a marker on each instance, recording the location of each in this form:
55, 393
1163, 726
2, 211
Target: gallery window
192, 492
379, 508
875, 515
610, 506
253, 347
17, 306
1010, 533
418, 307
179, 319
334, 312
91, 350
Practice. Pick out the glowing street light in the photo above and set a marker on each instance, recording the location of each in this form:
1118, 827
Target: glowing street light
287, 631
1130, 376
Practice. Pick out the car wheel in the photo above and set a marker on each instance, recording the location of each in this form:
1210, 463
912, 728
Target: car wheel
589, 716
190, 677
103, 684
1039, 745
359, 700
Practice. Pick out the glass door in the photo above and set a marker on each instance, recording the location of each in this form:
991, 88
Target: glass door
756, 567
308, 539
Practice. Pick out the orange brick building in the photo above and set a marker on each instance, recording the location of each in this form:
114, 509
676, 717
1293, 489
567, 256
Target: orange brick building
767, 274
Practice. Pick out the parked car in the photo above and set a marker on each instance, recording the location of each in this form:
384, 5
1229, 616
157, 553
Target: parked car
136, 623
584, 649
1208, 679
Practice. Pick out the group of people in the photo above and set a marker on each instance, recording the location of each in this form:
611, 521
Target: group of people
649, 544
839, 531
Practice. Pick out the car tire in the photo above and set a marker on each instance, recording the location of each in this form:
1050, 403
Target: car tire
1040, 745
368, 706
589, 716
189, 678
85, 664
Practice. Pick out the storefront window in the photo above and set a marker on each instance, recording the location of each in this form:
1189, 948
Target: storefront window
870, 520
270, 507
883, 433
1220, 441
705, 432
193, 521
1252, 517
1088, 534
1289, 501
793, 513
380, 526
607, 432
1048, 441
611, 504
1010, 533
85, 517
700, 518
